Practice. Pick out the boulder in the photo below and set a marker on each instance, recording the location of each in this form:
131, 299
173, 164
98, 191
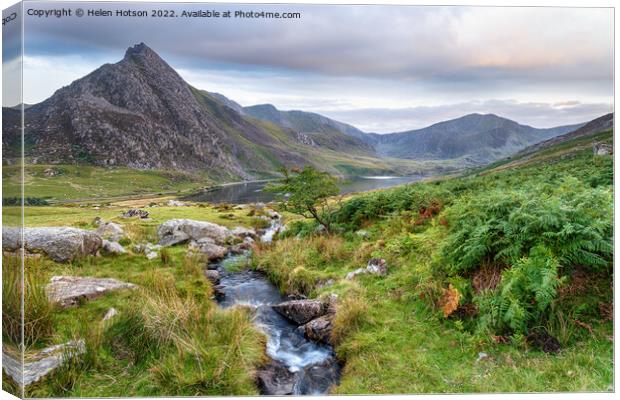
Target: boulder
603, 149
175, 203
146, 247
272, 214
219, 293
355, 273
42, 363
242, 247
135, 212
301, 311
363, 233
61, 244
207, 248
243, 233
110, 230
112, 247
377, 266
318, 378
71, 290
181, 230
151, 255
319, 329
275, 379
111, 313
213, 276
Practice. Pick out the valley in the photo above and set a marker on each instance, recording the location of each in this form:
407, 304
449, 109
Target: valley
161, 259
392, 330
138, 121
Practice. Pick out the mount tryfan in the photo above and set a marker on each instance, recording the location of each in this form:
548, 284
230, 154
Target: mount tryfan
141, 114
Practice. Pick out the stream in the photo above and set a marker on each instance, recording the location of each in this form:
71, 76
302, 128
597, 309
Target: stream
298, 366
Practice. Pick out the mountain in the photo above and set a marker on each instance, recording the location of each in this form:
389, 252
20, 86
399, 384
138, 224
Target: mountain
226, 101
472, 139
600, 124
315, 128
476, 137
141, 114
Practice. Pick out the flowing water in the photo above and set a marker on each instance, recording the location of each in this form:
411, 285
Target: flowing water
305, 367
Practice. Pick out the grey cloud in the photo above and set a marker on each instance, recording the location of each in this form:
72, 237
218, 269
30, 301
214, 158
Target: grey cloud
371, 41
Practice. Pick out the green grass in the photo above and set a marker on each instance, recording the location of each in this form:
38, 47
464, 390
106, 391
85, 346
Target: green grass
169, 337
74, 182
392, 333
82, 216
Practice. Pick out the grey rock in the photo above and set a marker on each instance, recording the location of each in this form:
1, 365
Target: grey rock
42, 364
275, 379
50, 172
272, 214
135, 212
328, 283
213, 276
181, 230
377, 266
362, 233
175, 203
355, 273
218, 292
242, 247
318, 377
603, 149
301, 311
110, 230
70, 290
319, 329
243, 233
113, 247
61, 244
111, 313
151, 255
208, 249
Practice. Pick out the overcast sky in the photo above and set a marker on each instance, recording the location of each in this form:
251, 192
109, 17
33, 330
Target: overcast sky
380, 68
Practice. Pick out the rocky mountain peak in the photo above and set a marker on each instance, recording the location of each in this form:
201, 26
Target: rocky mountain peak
146, 59
140, 50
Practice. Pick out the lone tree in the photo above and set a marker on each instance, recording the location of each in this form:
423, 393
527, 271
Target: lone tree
306, 192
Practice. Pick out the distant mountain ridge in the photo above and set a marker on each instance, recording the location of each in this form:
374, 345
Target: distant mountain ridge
481, 138
596, 125
141, 114
320, 129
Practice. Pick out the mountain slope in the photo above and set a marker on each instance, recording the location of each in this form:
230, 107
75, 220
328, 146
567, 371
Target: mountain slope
315, 128
476, 137
596, 125
141, 114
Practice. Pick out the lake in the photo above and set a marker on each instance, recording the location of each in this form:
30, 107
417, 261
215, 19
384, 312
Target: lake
252, 192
